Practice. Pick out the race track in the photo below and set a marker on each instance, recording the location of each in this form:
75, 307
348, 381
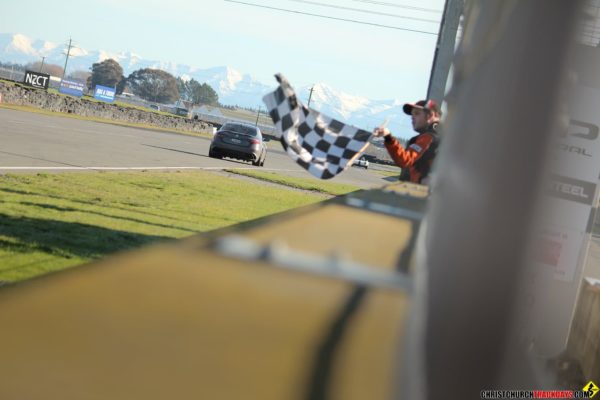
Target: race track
33, 142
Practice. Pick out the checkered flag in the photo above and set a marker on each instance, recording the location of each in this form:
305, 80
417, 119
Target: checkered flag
322, 145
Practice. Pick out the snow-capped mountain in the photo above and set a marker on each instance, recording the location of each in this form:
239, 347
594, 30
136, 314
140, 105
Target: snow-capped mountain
20, 49
233, 87
360, 111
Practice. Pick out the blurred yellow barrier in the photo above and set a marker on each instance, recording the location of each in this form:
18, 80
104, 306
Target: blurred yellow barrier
584, 337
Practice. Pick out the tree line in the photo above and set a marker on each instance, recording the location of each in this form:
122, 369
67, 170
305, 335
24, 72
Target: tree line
152, 84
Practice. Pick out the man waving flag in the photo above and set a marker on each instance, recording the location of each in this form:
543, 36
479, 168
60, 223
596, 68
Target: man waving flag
320, 144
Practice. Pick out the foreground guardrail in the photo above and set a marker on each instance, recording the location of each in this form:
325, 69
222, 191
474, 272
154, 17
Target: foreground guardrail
584, 339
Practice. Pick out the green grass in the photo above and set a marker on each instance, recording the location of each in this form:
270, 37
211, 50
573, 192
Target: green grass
101, 120
387, 173
53, 221
315, 185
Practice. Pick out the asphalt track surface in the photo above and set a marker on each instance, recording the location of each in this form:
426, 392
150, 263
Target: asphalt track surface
31, 142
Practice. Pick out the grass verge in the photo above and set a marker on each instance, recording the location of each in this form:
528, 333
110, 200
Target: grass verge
387, 173
101, 120
53, 221
335, 189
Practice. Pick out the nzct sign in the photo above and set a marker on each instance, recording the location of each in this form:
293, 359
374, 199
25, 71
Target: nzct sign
36, 79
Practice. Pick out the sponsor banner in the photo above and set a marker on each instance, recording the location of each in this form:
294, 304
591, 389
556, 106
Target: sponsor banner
72, 87
36, 80
559, 248
105, 93
571, 194
577, 151
572, 189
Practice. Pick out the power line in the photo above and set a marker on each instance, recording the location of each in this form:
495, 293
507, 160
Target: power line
382, 3
335, 18
366, 11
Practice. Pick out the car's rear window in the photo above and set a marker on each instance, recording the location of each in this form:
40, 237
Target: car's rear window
246, 130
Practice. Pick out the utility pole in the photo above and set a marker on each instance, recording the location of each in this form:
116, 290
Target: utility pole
67, 58
42, 66
257, 115
444, 51
310, 95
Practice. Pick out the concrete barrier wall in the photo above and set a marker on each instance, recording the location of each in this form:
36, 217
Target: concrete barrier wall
19, 95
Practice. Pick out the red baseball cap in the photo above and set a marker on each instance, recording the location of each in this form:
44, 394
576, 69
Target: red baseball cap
430, 105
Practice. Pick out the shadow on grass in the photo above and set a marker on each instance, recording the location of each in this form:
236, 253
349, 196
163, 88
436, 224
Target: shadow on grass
67, 239
90, 203
133, 208
71, 209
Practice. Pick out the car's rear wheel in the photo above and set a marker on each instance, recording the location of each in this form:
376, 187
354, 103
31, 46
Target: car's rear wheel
212, 154
260, 161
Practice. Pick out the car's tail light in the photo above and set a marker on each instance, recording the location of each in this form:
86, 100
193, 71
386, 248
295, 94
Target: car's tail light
254, 141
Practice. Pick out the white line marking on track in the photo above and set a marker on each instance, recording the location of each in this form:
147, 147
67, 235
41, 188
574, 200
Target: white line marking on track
135, 168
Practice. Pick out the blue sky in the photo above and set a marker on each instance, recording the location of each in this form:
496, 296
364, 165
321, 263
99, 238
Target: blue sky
374, 62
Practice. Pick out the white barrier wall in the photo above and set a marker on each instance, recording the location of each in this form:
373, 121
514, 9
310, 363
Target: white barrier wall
571, 196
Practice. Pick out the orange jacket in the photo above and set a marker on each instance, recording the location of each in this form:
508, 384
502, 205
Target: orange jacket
417, 157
